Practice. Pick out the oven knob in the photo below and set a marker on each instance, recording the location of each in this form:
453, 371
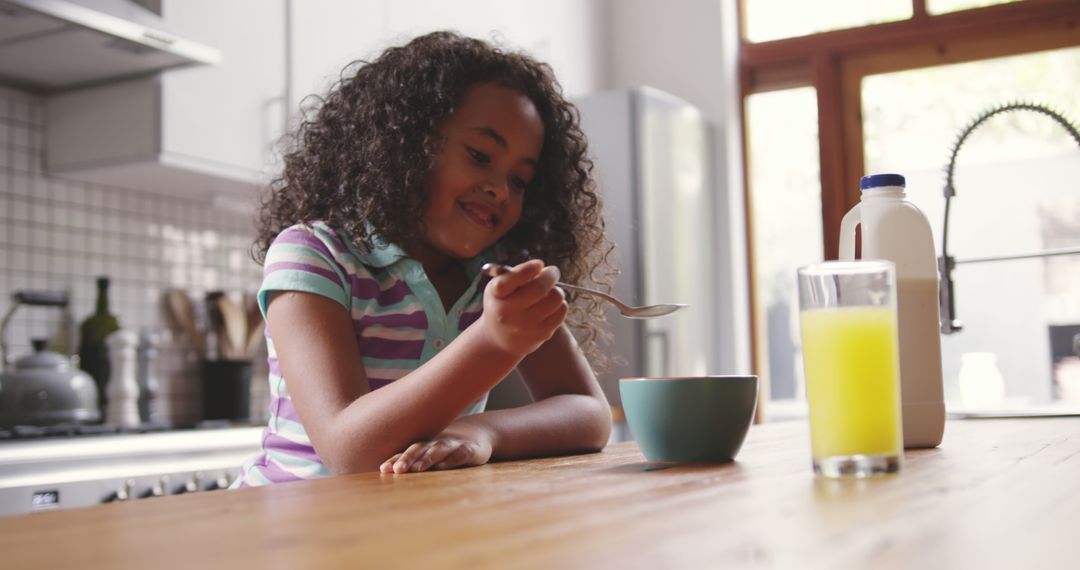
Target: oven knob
158, 489
219, 483
192, 485
124, 493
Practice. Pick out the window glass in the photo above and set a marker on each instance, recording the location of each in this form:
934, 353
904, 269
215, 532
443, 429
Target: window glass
944, 6
1015, 194
784, 179
776, 19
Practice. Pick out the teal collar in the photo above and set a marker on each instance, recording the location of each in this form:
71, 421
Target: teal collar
384, 254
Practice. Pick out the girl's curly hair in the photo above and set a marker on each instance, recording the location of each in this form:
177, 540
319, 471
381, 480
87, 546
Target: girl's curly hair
361, 156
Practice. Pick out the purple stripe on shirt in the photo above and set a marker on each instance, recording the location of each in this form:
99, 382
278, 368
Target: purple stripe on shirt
283, 408
416, 320
275, 369
376, 383
368, 289
365, 289
304, 237
336, 241
272, 471
468, 319
389, 348
274, 442
395, 294
305, 267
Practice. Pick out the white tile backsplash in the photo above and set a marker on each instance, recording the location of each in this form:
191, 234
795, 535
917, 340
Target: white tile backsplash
61, 234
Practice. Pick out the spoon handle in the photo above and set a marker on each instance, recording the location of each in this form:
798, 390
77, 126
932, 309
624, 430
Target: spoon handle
495, 269
594, 292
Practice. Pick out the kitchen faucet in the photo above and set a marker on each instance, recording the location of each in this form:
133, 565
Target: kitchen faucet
946, 263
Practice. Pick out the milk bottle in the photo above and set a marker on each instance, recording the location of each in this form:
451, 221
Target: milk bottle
894, 229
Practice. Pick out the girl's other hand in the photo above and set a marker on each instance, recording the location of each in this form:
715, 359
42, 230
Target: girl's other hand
523, 308
459, 445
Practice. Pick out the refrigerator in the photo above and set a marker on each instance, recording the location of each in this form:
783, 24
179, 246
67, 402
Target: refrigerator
653, 157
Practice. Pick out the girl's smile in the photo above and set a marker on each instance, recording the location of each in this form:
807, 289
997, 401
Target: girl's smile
482, 215
476, 188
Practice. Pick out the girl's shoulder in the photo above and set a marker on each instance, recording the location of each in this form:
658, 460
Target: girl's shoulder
315, 238
317, 230
327, 242
312, 258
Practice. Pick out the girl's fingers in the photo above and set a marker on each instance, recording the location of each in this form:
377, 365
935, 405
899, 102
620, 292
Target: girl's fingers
409, 456
549, 304
388, 465
458, 457
505, 284
534, 291
432, 455
540, 286
422, 456
556, 318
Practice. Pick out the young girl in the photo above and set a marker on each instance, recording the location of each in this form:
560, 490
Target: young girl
384, 341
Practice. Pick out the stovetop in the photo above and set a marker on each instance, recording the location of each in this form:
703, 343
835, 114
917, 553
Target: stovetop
25, 432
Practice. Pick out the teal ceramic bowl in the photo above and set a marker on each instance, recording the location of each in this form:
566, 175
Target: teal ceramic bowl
701, 419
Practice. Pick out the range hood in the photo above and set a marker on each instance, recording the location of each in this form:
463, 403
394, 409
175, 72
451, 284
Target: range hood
53, 45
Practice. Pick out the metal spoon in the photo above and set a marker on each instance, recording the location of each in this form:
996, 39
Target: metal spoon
646, 312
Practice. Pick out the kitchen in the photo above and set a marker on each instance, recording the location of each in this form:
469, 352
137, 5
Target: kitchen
157, 205
177, 213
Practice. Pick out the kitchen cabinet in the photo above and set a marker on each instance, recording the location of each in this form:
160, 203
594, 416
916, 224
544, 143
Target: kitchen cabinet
199, 130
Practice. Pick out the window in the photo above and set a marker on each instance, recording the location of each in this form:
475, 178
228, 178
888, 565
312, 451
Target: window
946, 6
783, 173
892, 87
1015, 173
777, 19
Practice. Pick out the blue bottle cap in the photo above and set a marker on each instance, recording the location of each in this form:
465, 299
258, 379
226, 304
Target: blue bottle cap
879, 180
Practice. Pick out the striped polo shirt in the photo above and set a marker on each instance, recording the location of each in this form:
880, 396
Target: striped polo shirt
399, 322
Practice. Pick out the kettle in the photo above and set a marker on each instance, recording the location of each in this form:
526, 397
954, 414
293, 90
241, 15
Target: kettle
44, 388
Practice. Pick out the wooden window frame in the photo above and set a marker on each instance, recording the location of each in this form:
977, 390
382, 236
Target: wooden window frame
835, 62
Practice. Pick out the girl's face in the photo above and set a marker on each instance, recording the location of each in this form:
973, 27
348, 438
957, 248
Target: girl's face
475, 190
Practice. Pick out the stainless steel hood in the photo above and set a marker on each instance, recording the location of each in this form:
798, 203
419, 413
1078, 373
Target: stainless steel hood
52, 45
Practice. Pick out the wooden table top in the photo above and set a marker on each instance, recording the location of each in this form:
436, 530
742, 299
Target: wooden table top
997, 494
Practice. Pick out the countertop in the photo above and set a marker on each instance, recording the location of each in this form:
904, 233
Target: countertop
86, 458
1000, 493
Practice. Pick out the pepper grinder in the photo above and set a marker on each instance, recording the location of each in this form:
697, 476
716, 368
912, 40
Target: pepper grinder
147, 367
123, 403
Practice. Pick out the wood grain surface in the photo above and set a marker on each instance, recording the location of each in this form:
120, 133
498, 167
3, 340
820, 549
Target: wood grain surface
996, 494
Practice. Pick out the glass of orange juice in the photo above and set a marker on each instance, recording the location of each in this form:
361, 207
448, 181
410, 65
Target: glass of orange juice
847, 314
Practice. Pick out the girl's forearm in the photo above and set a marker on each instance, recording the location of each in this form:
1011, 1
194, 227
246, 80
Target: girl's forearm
566, 423
419, 405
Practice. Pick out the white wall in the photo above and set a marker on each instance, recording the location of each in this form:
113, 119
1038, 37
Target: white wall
688, 48
571, 35
675, 46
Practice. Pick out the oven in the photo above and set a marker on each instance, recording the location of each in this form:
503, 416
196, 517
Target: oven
58, 467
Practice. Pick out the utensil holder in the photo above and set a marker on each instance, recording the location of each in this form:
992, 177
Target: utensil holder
226, 389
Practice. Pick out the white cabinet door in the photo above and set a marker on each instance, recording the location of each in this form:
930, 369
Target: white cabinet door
206, 130
226, 116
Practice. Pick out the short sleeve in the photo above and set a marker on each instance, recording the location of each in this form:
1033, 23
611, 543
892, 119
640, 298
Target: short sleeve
305, 258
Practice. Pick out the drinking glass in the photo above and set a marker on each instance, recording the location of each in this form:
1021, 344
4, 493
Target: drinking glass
847, 315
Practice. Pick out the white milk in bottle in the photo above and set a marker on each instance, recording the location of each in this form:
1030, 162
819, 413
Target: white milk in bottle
894, 229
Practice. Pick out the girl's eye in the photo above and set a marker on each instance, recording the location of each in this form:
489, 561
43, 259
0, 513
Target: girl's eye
518, 183
477, 155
